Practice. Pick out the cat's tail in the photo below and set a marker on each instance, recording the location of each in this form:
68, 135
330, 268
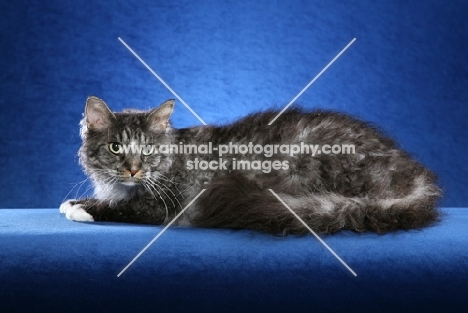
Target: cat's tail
332, 212
239, 203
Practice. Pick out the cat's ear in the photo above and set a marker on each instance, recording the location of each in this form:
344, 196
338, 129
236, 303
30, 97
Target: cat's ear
97, 113
158, 118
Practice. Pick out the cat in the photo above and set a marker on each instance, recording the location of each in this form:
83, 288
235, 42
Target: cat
334, 171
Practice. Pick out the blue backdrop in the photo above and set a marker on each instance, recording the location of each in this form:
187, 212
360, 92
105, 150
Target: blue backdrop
407, 71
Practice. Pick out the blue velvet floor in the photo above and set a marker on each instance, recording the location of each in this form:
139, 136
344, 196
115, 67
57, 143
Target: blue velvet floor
51, 264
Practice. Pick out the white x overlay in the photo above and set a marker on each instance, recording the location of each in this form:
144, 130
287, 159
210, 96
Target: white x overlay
160, 233
313, 233
312, 81
161, 80
270, 123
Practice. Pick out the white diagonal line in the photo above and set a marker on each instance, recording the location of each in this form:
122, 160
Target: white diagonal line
160, 233
313, 233
312, 81
161, 80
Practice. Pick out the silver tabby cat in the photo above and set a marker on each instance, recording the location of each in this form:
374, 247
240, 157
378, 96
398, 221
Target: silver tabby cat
142, 173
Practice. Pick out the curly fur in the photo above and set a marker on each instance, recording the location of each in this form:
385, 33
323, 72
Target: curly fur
379, 188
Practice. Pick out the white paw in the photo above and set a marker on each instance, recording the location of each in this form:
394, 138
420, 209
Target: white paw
75, 212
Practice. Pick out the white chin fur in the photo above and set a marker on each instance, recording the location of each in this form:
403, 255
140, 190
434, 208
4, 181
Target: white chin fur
129, 183
116, 192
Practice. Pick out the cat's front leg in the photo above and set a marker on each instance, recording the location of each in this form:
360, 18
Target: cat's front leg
139, 210
74, 210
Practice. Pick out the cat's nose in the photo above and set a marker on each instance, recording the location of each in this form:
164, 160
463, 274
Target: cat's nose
133, 172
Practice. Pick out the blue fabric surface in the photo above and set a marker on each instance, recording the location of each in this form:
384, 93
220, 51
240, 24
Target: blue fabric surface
51, 264
407, 72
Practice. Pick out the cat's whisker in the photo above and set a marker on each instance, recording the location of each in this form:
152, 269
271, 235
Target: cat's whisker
107, 184
149, 190
155, 186
162, 189
79, 187
85, 192
109, 180
165, 178
156, 182
71, 190
148, 187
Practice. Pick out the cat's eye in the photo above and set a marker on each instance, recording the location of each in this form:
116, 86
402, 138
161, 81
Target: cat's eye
115, 148
148, 150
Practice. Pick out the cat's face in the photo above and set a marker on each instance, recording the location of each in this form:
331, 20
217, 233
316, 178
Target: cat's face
122, 148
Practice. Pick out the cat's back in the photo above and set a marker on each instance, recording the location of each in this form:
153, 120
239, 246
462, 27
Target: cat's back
299, 124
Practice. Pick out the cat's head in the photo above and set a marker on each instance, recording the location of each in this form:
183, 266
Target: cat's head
122, 148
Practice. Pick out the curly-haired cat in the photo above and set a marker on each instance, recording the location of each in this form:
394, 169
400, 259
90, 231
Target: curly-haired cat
377, 188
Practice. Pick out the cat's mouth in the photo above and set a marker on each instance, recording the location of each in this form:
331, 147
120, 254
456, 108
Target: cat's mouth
131, 178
